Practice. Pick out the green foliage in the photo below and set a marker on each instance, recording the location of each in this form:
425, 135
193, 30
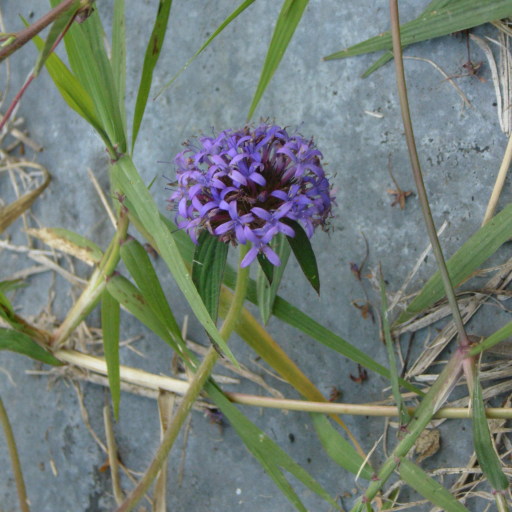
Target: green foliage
110, 326
208, 270
484, 446
271, 457
153, 50
439, 19
269, 277
287, 22
429, 488
483, 244
19, 342
340, 450
303, 252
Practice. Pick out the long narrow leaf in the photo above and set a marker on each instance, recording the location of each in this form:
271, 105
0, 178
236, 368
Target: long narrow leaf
110, 327
18, 342
287, 22
267, 291
484, 446
127, 294
126, 177
395, 385
150, 59
55, 31
480, 246
429, 488
90, 63
267, 453
119, 56
435, 23
208, 270
340, 450
205, 45
141, 269
72, 91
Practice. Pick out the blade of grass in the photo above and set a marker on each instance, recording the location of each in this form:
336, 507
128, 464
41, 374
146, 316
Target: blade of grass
485, 450
89, 61
153, 50
480, 246
495, 338
110, 313
434, 23
141, 269
58, 27
266, 291
208, 270
395, 386
429, 488
119, 56
241, 8
340, 450
287, 22
127, 294
73, 93
267, 453
19, 342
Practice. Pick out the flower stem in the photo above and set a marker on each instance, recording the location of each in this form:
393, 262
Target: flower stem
15, 461
417, 174
196, 385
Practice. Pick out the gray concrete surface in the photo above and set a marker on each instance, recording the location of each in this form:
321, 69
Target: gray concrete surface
460, 150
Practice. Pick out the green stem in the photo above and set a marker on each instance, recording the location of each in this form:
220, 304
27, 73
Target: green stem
417, 174
432, 401
196, 385
95, 286
15, 461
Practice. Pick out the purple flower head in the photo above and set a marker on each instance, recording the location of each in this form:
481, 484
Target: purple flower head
244, 185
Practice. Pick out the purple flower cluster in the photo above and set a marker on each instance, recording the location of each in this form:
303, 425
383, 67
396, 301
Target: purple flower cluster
243, 185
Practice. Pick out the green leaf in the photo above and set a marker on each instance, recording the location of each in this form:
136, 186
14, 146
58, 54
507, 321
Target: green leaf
58, 26
208, 270
205, 45
485, 450
429, 488
110, 327
435, 22
153, 50
139, 265
484, 243
493, 339
395, 385
18, 342
127, 294
301, 247
267, 288
267, 453
296, 318
72, 91
128, 181
119, 56
89, 61
10, 284
339, 449
287, 21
